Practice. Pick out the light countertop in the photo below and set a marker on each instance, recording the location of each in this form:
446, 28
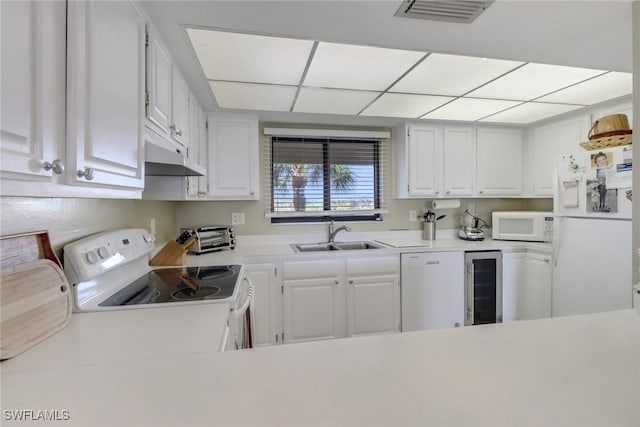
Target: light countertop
254, 248
570, 371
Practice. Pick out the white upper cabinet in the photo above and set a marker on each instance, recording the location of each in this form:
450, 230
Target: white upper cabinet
33, 100
167, 95
179, 109
499, 162
233, 151
158, 84
425, 161
105, 94
459, 161
546, 144
434, 161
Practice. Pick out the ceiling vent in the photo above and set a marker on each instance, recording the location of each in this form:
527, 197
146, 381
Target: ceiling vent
446, 10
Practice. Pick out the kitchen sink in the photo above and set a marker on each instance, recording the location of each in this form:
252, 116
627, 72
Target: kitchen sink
336, 246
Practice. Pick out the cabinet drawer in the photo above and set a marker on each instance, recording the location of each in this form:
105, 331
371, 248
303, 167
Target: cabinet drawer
373, 266
312, 269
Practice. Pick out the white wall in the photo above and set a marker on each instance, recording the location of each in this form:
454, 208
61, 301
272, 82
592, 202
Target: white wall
70, 219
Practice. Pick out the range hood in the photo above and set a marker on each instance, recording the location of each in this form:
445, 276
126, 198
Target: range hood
161, 161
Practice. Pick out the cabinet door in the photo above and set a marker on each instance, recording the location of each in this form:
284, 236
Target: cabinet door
499, 153
193, 153
313, 309
313, 303
203, 181
425, 161
233, 157
105, 93
459, 161
179, 109
537, 286
158, 85
547, 144
513, 302
373, 305
432, 290
263, 277
32, 80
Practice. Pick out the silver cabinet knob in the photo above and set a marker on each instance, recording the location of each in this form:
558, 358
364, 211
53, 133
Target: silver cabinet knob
351, 282
437, 192
546, 260
175, 130
252, 193
481, 191
56, 166
448, 192
337, 282
87, 173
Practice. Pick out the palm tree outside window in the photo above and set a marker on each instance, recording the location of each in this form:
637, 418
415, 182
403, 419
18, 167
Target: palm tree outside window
328, 176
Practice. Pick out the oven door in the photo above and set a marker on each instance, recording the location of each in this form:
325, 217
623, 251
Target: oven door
240, 326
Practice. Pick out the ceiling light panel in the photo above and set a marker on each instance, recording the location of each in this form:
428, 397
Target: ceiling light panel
250, 96
469, 109
404, 105
532, 81
250, 58
599, 89
452, 75
332, 101
530, 112
344, 66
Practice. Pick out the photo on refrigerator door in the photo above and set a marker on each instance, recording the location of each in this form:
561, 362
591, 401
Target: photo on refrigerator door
601, 199
601, 160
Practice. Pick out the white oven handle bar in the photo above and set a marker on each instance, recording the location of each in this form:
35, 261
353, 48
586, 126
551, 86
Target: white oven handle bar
248, 300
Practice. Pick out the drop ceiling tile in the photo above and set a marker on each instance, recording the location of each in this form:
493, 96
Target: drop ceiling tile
250, 58
332, 101
469, 109
452, 74
598, 89
345, 66
530, 112
532, 81
250, 96
404, 105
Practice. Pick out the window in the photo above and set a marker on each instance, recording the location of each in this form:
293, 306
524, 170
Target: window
316, 178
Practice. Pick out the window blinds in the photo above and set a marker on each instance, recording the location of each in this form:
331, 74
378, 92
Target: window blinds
311, 175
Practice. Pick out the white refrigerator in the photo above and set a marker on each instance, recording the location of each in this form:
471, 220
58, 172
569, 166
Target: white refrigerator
592, 262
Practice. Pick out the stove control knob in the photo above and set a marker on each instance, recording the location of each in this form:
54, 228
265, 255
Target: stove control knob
103, 252
92, 257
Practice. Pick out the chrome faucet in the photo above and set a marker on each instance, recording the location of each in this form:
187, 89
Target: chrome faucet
331, 233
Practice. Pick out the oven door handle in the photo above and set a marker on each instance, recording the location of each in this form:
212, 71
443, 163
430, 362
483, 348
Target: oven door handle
248, 300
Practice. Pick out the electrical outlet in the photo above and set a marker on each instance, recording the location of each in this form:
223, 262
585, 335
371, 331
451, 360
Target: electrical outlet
237, 218
413, 215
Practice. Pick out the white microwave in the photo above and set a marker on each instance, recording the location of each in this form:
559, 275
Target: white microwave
529, 226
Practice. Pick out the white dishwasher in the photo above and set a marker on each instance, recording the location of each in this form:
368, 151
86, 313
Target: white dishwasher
432, 290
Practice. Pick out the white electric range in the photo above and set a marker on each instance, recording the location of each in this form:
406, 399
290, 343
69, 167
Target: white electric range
110, 271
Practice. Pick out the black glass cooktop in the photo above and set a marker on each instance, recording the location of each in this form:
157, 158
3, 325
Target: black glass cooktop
178, 285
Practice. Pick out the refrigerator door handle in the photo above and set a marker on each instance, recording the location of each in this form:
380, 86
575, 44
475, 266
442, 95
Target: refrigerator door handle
556, 240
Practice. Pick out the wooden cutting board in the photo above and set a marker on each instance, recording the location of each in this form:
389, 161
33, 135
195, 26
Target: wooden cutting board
35, 303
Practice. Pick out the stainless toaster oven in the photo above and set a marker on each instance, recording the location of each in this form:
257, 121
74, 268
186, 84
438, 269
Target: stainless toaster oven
212, 238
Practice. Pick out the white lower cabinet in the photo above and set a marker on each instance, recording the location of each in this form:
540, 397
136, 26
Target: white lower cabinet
526, 285
313, 303
373, 296
338, 297
537, 286
267, 327
513, 268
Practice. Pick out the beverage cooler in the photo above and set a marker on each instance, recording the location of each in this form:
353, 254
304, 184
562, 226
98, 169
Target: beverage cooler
483, 287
